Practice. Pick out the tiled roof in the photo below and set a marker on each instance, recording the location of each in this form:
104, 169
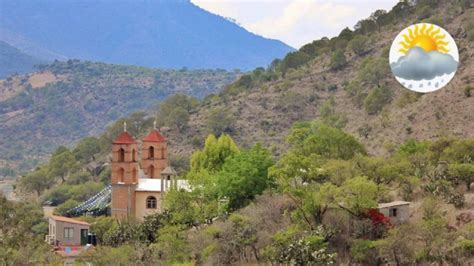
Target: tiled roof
154, 136
124, 138
67, 220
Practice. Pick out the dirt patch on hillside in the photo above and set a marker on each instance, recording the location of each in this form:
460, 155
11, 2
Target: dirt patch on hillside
42, 79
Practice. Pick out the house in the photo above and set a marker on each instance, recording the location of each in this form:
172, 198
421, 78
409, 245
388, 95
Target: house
397, 211
64, 231
138, 185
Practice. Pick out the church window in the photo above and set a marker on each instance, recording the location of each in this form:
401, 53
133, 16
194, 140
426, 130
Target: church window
133, 156
121, 157
151, 152
151, 202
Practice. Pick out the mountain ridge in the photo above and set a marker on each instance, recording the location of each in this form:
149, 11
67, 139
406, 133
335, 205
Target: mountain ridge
165, 34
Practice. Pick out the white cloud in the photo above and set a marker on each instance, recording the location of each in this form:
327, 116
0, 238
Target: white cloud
295, 22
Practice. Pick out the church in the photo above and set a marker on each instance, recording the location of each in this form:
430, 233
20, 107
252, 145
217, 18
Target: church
138, 186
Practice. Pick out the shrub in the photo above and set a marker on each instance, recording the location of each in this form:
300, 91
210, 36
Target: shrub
358, 44
220, 120
408, 97
300, 248
373, 69
377, 99
294, 60
338, 60
468, 90
364, 251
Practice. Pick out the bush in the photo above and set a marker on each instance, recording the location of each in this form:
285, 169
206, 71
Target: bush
364, 251
300, 248
220, 120
338, 60
294, 60
373, 70
66, 206
358, 44
377, 99
407, 98
468, 90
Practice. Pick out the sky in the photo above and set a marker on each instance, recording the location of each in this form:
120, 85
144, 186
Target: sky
295, 22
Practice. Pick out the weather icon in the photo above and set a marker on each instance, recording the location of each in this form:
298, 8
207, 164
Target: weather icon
424, 57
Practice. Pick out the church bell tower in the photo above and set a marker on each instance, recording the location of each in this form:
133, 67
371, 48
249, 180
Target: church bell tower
124, 175
154, 154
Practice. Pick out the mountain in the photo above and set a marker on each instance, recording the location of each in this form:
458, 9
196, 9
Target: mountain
14, 61
66, 101
358, 93
169, 34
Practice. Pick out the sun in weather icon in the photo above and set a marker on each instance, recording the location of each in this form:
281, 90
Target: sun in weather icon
424, 57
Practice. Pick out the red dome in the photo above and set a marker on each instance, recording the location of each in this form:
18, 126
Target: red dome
124, 138
154, 136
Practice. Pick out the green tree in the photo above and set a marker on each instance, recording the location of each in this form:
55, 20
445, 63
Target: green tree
358, 44
178, 118
377, 99
462, 172
373, 70
214, 154
329, 115
86, 149
244, 175
175, 110
62, 164
383, 171
21, 234
38, 180
172, 244
338, 60
294, 60
220, 120
294, 247
358, 195
182, 207
328, 142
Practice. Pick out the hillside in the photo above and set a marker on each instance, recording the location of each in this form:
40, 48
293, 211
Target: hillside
143, 33
339, 179
67, 101
361, 95
13, 61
